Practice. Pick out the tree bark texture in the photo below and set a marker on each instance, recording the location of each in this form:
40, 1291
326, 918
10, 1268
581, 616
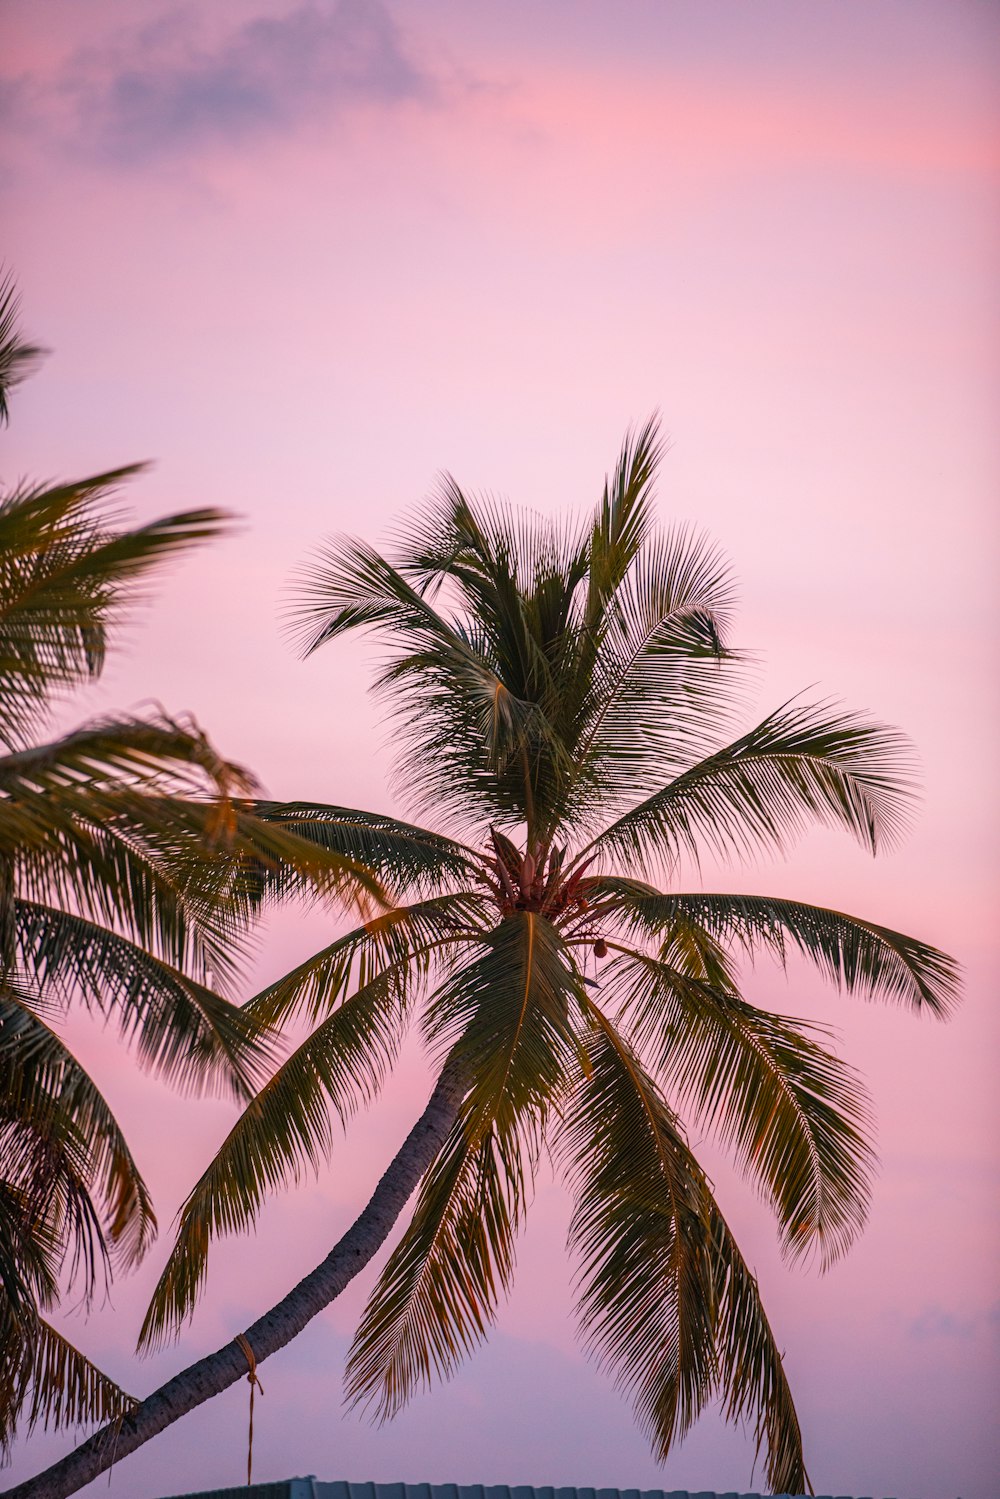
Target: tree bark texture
215, 1373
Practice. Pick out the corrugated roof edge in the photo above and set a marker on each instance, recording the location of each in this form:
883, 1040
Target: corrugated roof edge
313, 1488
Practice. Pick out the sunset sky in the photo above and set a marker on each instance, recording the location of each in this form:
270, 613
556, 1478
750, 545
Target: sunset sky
305, 255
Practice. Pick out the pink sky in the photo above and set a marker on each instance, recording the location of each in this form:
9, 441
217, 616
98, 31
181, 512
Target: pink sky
304, 255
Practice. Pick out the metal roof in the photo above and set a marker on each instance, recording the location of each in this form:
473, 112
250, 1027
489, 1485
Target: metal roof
312, 1488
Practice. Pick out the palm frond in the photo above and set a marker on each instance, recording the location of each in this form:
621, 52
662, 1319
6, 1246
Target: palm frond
660, 683
285, 1129
63, 1148
517, 578
114, 881
479, 549
752, 1376
232, 864
511, 572
437, 1296
182, 1030
67, 570
473, 746
859, 956
623, 520
349, 586
403, 856
664, 1300
507, 1016
640, 1233
471, 705
797, 1118
31, 1251
603, 558
801, 765
17, 356
150, 753
44, 1378
504, 1019
92, 822
396, 936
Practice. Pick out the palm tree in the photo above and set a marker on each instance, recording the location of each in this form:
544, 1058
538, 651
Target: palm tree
18, 357
127, 871
562, 696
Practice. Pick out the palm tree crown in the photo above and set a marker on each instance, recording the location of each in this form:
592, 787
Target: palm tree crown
562, 696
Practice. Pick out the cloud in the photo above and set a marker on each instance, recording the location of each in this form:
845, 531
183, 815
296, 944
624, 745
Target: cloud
935, 1322
163, 89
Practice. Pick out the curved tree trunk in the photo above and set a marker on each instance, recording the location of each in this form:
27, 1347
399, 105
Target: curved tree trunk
215, 1373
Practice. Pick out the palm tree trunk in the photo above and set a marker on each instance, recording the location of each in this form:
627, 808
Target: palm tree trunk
211, 1375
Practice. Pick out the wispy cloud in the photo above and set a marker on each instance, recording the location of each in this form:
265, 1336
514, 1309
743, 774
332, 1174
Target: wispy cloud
935, 1322
164, 88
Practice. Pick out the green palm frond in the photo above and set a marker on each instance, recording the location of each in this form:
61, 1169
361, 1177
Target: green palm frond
665, 1302
31, 1254
640, 1234
437, 1296
857, 955
231, 865
659, 686
48, 1195
797, 1118
405, 857
460, 717
507, 1017
183, 1031
67, 571
591, 580
63, 1148
108, 754
285, 1129
752, 1376
94, 822
515, 575
349, 586
624, 518
476, 549
44, 1378
517, 580
504, 1019
104, 874
394, 937
799, 766
481, 734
